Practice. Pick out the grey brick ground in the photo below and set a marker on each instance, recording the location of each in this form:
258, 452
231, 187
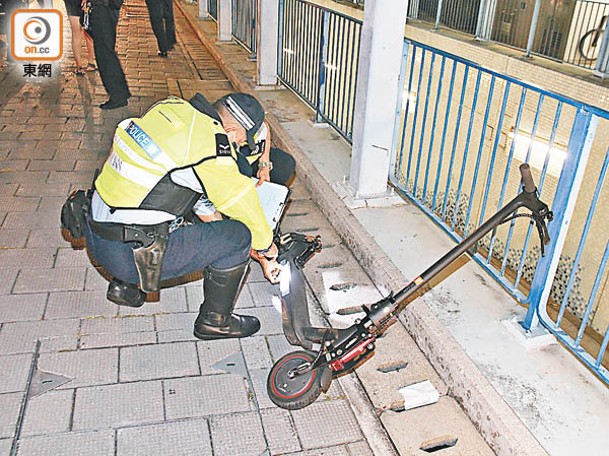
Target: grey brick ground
237, 434
44, 237
279, 430
5, 446
67, 257
40, 280
117, 325
336, 420
10, 404
118, 405
69, 444
256, 352
151, 362
263, 293
210, 352
28, 258
204, 396
359, 449
15, 370
19, 337
79, 304
84, 367
332, 451
270, 320
184, 438
12, 238
117, 340
22, 307
48, 413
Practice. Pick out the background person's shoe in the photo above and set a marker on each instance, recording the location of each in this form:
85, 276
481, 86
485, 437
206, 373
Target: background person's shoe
125, 294
113, 104
162, 54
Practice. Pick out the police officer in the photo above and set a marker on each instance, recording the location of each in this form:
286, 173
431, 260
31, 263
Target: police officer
159, 167
103, 20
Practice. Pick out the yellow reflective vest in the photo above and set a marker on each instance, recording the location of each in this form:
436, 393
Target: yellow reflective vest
173, 135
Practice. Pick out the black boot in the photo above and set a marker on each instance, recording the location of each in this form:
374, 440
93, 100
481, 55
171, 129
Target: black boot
216, 320
125, 294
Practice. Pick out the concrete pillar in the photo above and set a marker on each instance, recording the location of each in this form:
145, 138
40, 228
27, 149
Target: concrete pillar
380, 61
267, 32
225, 20
203, 9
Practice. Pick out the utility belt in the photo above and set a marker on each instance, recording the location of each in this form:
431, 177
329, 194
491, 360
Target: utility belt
148, 251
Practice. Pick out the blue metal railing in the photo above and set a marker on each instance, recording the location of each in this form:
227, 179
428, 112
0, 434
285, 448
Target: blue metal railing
244, 23
318, 59
212, 7
462, 132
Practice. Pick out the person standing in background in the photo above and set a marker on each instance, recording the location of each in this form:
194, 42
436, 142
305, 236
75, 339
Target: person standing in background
74, 10
161, 20
103, 20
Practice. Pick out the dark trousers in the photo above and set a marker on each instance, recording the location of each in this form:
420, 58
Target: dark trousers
161, 20
104, 20
283, 166
222, 244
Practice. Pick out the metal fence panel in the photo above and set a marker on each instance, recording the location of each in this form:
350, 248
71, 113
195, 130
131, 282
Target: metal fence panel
318, 59
244, 23
463, 131
212, 7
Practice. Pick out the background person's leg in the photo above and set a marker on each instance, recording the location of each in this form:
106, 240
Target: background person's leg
155, 12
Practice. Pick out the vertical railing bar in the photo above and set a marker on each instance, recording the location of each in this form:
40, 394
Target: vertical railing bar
542, 177
423, 125
321, 87
595, 287
330, 68
433, 126
487, 189
414, 121
346, 73
472, 117
280, 37
455, 141
527, 160
341, 87
351, 71
444, 131
438, 14
479, 157
603, 349
395, 164
586, 230
407, 107
359, 43
508, 165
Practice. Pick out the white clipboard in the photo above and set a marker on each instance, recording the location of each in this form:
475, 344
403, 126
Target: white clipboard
273, 198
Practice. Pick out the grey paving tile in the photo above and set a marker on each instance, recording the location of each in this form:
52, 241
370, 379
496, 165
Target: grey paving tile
10, 404
279, 346
118, 405
175, 327
19, 204
270, 320
48, 165
84, 367
256, 352
79, 304
15, 370
8, 189
12, 238
68, 257
259, 377
48, 413
7, 280
244, 300
51, 203
69, 444
239, 433
332, 451
20, 337
40, 280
280, 431
117, 340
203, 396
334, 417
22, 307
210, 352
5, 446
28, 258
58, 344
151, 362
96, 281
45, 237
117, 325
23, 221
360, 449
184, 438
263, 293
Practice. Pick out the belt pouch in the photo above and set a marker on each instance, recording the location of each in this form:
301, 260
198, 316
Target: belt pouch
149, 259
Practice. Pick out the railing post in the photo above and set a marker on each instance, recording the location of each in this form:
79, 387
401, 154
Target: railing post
569, 184
438, 15
321, 96
602, 62
268, 38
486, 15
225, 20
533, 28
382, 45
203, 9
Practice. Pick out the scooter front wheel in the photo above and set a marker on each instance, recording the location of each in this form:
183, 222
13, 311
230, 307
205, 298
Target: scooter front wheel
291, 390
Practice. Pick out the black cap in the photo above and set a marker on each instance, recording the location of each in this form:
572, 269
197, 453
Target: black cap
247, 111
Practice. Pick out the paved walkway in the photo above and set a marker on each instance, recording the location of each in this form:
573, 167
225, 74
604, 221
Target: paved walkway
139, 382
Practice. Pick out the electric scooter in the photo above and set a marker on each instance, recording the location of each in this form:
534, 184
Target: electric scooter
298, 378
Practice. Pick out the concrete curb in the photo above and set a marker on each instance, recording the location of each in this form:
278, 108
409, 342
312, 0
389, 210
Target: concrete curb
498, 424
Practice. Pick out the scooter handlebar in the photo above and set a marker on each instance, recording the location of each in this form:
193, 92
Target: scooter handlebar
527, 178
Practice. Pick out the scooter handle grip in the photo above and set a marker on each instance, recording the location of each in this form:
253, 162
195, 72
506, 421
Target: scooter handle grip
527, 178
